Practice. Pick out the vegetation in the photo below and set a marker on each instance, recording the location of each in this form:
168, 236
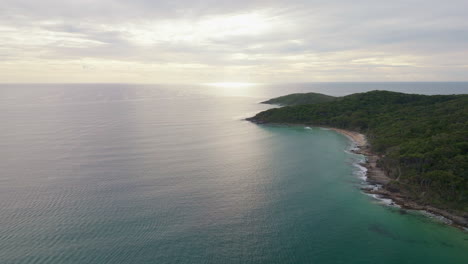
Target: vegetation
422, 140
301, 98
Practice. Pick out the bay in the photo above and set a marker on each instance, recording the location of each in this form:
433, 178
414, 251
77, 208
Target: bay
122, 173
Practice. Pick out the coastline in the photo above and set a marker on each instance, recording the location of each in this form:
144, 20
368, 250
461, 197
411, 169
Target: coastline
378, 180
376, 176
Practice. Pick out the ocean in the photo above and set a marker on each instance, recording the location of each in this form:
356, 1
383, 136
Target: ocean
124, 173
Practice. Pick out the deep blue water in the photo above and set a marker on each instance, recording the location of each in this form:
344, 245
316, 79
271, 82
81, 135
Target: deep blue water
120, 173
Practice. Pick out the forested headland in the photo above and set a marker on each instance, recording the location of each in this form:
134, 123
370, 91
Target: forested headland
422, 140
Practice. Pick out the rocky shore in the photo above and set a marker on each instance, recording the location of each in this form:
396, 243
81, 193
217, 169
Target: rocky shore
376, 176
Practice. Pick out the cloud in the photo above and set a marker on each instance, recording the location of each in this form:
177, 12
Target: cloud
210, 41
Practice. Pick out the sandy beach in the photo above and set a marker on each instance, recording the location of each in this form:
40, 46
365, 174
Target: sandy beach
358, 138
376, 175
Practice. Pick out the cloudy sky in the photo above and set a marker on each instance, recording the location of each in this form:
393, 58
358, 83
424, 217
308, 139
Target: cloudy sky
268, 41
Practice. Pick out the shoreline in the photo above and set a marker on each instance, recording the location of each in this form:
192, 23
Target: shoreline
376, 176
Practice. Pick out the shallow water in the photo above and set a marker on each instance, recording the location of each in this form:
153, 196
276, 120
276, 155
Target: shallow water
158, 174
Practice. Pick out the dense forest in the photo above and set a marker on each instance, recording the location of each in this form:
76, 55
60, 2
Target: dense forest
422, 140
301, 98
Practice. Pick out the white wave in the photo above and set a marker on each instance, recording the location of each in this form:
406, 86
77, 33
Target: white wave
307, 127
361, 171
384, 201
437, 217
352, 147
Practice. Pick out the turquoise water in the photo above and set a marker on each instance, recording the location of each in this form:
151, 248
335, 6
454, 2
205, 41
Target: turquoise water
156, 174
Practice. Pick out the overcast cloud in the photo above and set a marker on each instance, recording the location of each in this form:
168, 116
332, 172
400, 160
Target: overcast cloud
190, 41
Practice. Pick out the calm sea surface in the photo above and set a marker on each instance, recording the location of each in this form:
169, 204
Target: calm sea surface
114, 173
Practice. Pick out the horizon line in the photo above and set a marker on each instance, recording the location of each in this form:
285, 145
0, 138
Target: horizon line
209, 83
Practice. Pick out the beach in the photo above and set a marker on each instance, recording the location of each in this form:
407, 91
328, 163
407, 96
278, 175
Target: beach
377, 177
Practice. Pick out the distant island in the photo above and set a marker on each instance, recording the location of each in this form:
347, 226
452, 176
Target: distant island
418, 142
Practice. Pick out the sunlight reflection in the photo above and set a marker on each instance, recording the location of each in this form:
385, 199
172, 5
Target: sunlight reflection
232, 84
233, 88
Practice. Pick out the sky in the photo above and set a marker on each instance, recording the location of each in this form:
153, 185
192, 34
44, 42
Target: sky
246, 41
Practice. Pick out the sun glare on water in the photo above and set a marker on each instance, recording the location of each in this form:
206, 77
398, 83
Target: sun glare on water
233, 88
232, 84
